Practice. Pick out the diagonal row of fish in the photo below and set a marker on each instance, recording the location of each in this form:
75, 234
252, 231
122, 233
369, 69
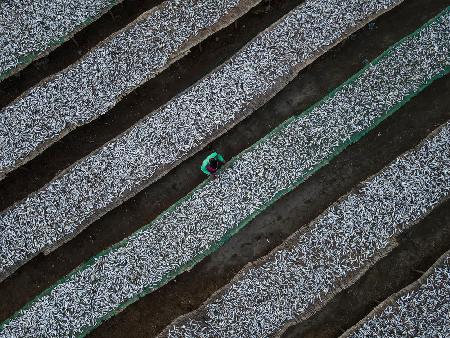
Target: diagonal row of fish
202, 221
105, 178
93, 85
306, 271
30, 29
422, 309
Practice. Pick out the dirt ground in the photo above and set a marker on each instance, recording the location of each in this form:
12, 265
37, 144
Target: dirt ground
417, 250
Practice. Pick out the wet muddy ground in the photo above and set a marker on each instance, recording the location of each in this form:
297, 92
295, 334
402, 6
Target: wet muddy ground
417, 249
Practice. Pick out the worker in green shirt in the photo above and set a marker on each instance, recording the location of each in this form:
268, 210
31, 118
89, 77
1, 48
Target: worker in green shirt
212, 164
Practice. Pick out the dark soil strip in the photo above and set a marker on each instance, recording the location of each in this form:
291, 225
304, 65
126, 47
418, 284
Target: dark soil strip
397, 134
142, 101
419, 248
70, 51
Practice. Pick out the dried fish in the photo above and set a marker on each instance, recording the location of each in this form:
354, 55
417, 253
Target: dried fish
184, 234
125, 165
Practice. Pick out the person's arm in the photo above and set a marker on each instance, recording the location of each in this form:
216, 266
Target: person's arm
220, 158
205, 170
211, 169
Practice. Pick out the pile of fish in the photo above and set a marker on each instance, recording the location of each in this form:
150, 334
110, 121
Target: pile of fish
420, 310
94, 84
312, 266
213, 212
127, 164
30, 28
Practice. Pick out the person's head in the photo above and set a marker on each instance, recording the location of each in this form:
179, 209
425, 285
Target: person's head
213, 162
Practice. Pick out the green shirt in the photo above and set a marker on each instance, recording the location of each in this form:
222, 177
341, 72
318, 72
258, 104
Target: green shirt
206, 161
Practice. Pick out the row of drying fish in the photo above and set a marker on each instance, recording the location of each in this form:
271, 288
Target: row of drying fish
94, 84
299, 277
420, 310
213, 212
122, 167
31, 28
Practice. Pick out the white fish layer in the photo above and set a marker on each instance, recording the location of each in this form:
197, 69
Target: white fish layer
214, 211
420, 310
127, 164
299, 277
29, 28
90, 87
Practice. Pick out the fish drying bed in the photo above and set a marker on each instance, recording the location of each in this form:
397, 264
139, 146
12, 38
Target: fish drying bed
184, 234
102, 180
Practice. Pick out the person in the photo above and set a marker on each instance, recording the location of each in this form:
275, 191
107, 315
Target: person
212, 164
